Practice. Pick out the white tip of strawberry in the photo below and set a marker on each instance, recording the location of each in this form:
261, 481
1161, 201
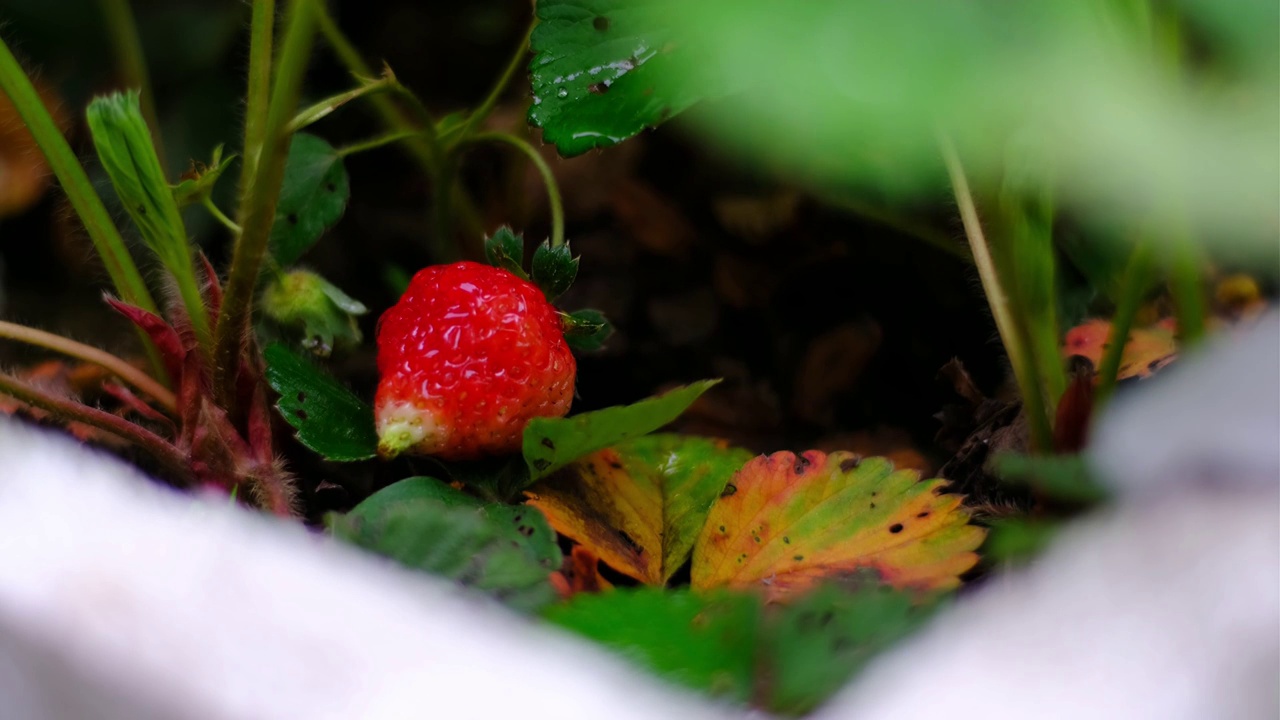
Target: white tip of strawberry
403, 426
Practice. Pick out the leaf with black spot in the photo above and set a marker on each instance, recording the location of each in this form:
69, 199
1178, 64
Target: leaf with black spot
794, 520
505, 551
505, 249
604, 70
554, 269
312, 198
640, 505
329, 418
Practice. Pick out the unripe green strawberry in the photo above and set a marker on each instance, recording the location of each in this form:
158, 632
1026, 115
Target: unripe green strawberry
467, 357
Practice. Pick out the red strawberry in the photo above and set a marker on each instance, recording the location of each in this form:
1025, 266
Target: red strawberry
467, 358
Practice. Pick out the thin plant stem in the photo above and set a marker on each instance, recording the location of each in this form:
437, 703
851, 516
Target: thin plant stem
84, 199
258, 204
92, 355
491, 101
427, 151
258, 89
162, 450
548, 178
377, 142
218, 215
123, 30
998, 299
1138, 276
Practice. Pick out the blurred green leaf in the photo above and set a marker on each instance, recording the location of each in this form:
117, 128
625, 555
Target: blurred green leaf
848, 93
328, 417
603, 71
1063, 477
551, 443
786, 659
506, 551
1017, 540
313, 197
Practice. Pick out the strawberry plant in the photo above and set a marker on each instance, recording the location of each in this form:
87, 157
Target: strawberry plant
464, 433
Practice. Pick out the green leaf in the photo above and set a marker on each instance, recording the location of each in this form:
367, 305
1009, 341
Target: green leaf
313, 197
551, 443
505, 249
639, 506
1063, 477
1017, 540
554, 269
328, 417
786, 659
506, 551
603, 71
826, 637
195, 189
498, 478
124, 146
704, 642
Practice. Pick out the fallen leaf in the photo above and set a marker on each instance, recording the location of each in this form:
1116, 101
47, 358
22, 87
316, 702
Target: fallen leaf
639, 506
785, 522
1147, 350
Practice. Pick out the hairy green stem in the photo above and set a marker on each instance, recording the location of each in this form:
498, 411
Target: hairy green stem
258, 205
1023, 369
548, 178
1138, 276
258, 90
131, 62
69, 410
93, 355
491, 101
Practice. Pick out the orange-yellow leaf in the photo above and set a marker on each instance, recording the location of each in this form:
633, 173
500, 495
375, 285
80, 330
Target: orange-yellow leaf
1147, 350
639, 506
785, 522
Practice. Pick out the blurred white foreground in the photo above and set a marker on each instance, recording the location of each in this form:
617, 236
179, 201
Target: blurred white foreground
119, 599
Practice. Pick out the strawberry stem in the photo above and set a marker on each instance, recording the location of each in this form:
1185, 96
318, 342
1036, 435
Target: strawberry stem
548, 178
90, 354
